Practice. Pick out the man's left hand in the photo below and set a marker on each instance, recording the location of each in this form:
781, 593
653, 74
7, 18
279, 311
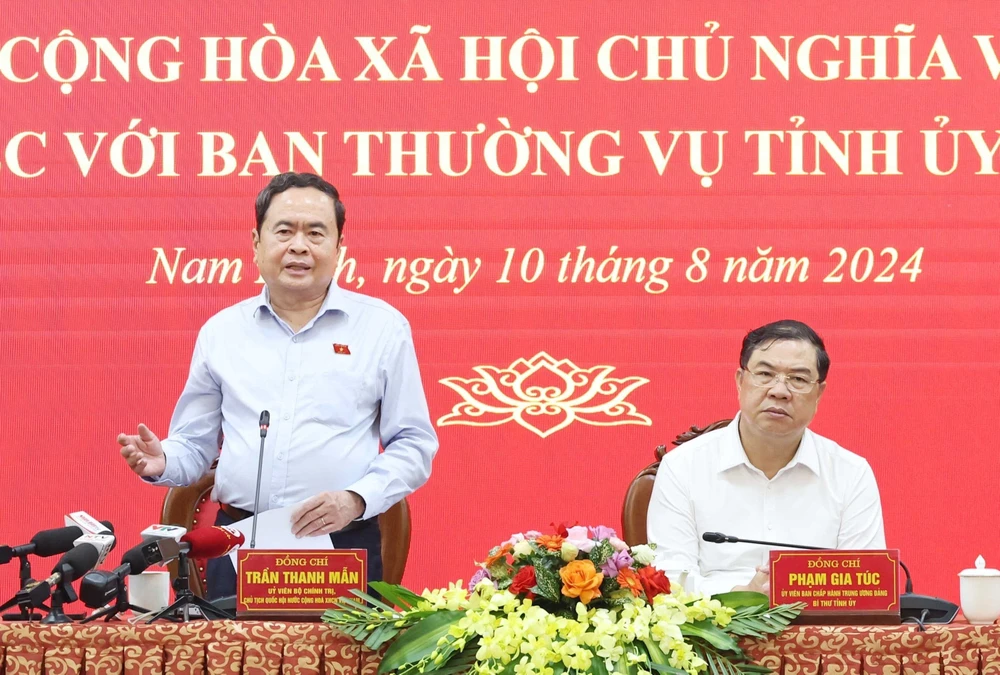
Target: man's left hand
327, 512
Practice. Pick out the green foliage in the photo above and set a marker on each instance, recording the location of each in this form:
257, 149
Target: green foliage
419, 641
600, 553
547, 582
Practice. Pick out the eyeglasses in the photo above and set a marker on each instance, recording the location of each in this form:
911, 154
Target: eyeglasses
796, 384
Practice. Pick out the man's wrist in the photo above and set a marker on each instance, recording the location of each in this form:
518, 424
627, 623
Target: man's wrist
359, 502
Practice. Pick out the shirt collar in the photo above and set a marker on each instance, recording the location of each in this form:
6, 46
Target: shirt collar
335, 300
733, 453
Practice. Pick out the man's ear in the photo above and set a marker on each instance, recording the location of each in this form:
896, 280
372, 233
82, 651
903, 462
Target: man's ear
255, 239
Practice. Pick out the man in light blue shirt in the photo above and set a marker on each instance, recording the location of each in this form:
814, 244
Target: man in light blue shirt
337, 371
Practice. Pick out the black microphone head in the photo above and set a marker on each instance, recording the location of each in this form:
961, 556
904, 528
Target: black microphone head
265, 419
135, 558
714, 537
98, 588
81, 559
54, 542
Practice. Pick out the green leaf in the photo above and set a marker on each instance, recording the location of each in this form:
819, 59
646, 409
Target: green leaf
737, 599
597, 665
669, 670
459, 663
656, 655
375, 640
706, 631
548, 584
419, 640
600, 553
398, 595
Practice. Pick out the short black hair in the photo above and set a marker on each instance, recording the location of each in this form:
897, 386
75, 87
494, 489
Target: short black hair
786, 329
291, 179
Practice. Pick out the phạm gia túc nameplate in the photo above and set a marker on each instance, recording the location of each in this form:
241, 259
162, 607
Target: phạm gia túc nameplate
279, 583
838, 585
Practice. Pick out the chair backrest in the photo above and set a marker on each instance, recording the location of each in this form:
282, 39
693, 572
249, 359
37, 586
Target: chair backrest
191, 507
641, 488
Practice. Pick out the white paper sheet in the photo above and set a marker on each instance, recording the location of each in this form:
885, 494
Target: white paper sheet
274, 531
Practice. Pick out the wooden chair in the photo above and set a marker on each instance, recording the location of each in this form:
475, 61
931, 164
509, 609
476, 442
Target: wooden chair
641, 488
191, 507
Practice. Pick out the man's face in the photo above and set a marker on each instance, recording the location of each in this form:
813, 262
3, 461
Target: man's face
776, 410
297, 248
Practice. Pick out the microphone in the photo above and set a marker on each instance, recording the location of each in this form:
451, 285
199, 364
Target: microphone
204, 542
105, 591
211, 542
923, 609
720, 538
160, 531
265, 422
48, 543
74, 564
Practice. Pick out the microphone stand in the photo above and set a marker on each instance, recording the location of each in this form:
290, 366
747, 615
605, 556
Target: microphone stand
265, 422
26, 612
63, 593
185, 598
120, 605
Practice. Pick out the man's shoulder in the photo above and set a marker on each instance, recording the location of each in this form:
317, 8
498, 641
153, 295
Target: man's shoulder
832, 452
699, 449
231, 316
374, 308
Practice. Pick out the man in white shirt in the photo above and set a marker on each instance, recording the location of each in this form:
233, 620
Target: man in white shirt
765, 476
336, 370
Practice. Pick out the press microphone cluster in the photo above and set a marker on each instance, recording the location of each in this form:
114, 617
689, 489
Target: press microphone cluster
104, 590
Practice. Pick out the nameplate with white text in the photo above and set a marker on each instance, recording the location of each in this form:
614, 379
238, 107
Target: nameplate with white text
838, 583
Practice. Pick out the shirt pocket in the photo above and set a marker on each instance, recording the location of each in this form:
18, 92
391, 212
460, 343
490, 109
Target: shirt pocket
337, 394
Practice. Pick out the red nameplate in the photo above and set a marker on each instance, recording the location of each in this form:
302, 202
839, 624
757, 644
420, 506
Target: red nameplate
838, 586
296, 583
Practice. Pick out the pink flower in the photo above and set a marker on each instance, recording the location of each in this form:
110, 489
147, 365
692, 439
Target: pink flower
602, 532
579, 537
617, 544
514, 538
532, 535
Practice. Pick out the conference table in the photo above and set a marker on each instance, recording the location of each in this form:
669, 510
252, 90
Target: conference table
275, 648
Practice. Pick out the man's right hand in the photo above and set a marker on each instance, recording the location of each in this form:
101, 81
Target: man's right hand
143, 452
761, 582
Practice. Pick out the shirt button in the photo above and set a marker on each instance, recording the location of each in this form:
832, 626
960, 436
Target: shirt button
291, 378
295, 338
770, 527
287, 416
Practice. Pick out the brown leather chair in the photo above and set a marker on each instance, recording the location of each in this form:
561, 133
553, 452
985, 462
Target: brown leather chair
191, 507
641, 488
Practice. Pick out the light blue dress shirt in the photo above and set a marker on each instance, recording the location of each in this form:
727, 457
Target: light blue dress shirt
329, 411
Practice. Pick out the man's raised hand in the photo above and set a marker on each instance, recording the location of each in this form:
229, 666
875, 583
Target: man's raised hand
143, 452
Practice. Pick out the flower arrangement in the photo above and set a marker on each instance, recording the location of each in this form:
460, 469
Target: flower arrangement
576, 600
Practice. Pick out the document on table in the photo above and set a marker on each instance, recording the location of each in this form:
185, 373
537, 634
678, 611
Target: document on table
274, 531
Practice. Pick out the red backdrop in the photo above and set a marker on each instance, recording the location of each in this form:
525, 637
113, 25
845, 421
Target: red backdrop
90, 347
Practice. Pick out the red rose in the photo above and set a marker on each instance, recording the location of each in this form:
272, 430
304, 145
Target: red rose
653, 582
523, 581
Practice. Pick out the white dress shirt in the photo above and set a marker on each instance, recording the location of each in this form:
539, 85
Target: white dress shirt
826, 496
329, 410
